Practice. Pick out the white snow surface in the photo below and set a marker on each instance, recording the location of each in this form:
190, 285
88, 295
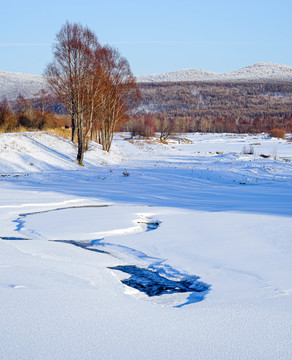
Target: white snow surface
12, 84
224, 216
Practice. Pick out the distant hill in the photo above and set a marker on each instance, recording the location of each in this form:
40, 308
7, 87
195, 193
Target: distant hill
11, 84
257, 72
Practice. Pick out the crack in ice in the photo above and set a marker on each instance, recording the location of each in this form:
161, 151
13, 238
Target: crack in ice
154, 279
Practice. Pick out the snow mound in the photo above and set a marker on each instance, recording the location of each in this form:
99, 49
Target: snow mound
40, 151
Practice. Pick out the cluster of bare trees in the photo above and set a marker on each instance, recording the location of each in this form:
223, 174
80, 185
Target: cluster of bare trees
166, 124
42, 112
24, 113
150, 124
94, 83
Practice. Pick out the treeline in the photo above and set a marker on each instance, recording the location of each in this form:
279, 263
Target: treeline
220, 107
169, 123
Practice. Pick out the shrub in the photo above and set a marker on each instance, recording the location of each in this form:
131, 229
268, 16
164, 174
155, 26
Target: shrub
249, 151
10, 124
31, 119
137, 128
277, 133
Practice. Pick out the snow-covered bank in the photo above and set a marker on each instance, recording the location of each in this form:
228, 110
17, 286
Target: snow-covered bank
225, 217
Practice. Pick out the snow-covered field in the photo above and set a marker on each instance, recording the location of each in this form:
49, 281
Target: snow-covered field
197, 212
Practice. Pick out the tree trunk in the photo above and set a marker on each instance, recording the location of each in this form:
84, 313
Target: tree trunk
73, 127
80, 135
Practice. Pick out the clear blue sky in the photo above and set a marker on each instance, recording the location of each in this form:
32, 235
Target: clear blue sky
155, 36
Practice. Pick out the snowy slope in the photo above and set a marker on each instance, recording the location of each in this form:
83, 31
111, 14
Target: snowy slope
198, 211
260, 72
12, 84
34, 152
256, 72
180, 75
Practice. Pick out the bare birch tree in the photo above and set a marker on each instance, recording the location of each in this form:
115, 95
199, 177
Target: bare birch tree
94, 83
119, 93
68, 75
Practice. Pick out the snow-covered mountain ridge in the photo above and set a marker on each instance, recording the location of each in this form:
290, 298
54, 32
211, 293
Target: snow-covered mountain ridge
256, 72
12, 84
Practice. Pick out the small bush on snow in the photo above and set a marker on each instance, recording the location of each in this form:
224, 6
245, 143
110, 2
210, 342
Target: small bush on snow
278, 133
248, 151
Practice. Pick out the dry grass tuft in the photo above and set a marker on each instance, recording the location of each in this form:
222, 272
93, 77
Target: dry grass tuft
17, 129
61, 132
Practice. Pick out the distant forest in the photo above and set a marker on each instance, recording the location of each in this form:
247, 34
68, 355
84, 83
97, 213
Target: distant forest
241, 107
219, 107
